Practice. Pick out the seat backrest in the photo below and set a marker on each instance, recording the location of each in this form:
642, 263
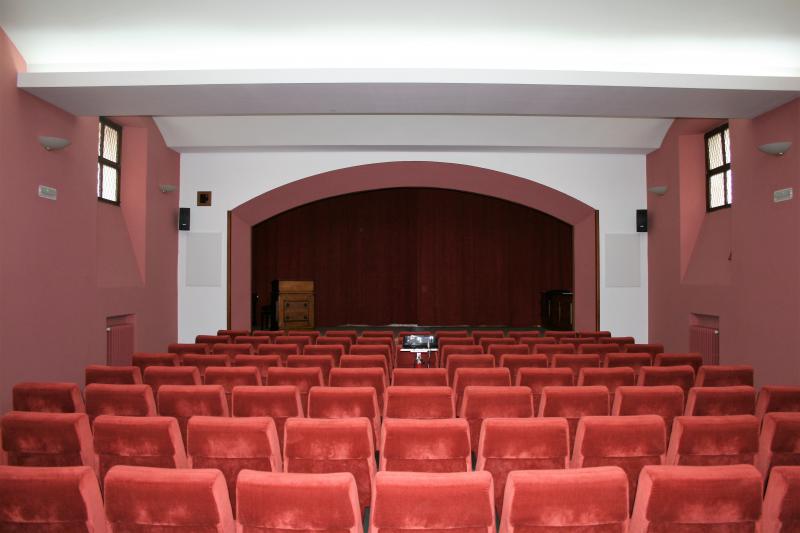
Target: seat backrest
456, 361
695, 360
323, 362
466, 376
485, 342
232, 349
156, 376
781, 510
33, 438
776, 398
558, 335
145, 360
233, 333
724, 376
211, 340
712, 401
414, 445
594, 334
379, 333
346, 333
181, 348
497, 350
312, 334
598, 348
665, 401
254, 340
419, 402
302, 378
230, 377
573, 403
779, 442
632, 360
344, 341
204, 361
260, 362
281, 350
575, 362
116, 375
537, 379
513, 362
616, 340
551, 349
518, 334
365, 361
140, 498
47, 397
682, 376
577, 341
611, 378
186, 401
449, 333
713, 440
346, 402
420, 377
477, 335
481, 403
271, 333
372, 349
334, 350
531, 342
461, 349
653, 348
279, 402
361, 377
125, 400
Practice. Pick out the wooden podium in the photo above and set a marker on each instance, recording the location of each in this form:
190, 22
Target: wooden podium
293, 302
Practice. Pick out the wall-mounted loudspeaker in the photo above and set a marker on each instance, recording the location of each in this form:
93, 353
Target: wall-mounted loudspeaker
183, 219
641, 220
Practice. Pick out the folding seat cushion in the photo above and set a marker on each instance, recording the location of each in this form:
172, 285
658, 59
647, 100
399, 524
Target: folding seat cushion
180, 348
448, 333
594, 334
537, 379
48, 439
272, 502
302, 378
47, 397
232, 445
531, 342
336, 352
697, 498
653, 348
140, 498
261, 362
485, 342
610, 378
481, 403
115, 375
361, 377
517, 335
514, 362
490, 377
343, 341
230, 377
346, 402
373, 349
776, 398
498, 350
633, 360
713, 440
35, 499
314, 334
665, 401
326, 446
211, 340
558, 335
695, 360
508, 444
682, 376
420, 377
252, 340
281, 350
575, 362
123, 400
156, 376
419, 402
345, 333
279, 402
454, 362
202, 362
186, 401
138, 441
573, 403
724, 376
406, 501
600, 349
233, 333
232, 349
414, 445
617, 340
551, 349
323, 362
713, 401
301, 341
145, 360
582, 499
629, 442
487, 333
779, 442
781, 509
457, 349
268, 333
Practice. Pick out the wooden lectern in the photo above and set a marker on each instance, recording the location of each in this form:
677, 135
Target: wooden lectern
293, 302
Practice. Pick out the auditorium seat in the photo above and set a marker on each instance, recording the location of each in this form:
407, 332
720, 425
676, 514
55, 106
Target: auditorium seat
123, 400
697, 498
180, 348
361, 377
518, 334
447, 333
514, 362
377, 333
205, 361
47, 397
573, 403
419, 402
610, 378
138, 441
268, 333
301, 341
665, 401
346, 402
577, 341
413, 502
477, 335
233, 333
456, 361
653, 348
113, 375
779, 442
253, 340
600, 349
281, 350
594, 334
232, 349
716, 401
537, 379
41, 500
576, 500
156, 376
211, 340
531, 342
144, 499
695, 360
261, 362
302, 378
47, 439
313, 334
365, 361
373, 349
457, 349
333, 445
420, 377
508, 444
633, 360
232, 377
713, 440
186, 401
455, 341
724, 376
777, 398
551, 349
336, 352
558, 335
145, 360
682, 376
492, 377
346, 333
575, 362
498, 350
344, 341
414, 445
279, 402
323, 362
781, 509
622, 341
480, 403
485, 342
375, 341
271, 502
232, 445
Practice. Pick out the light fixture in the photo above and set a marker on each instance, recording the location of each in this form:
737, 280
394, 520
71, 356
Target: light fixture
776, 149
167, 187
53, 143
659, 190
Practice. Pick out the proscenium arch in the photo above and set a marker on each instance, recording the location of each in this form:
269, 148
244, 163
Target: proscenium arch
398, 174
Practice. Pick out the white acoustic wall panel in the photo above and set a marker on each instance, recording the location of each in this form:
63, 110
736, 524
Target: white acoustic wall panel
203, 259
623, 258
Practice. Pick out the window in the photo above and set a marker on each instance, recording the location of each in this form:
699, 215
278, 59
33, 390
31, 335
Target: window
719, 181
108, 169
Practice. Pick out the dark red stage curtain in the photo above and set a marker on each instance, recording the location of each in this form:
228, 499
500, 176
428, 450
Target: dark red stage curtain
426, 256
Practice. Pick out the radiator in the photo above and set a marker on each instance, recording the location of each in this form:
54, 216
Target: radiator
119, 344
705, 341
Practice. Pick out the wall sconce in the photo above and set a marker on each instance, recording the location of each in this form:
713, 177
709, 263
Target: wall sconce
776, 149
53, 143
658, 190
167, 188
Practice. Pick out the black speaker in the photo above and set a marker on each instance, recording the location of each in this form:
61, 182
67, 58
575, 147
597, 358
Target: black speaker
641, 220
183, 219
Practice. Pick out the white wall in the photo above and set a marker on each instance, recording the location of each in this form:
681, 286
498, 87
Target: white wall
612, 183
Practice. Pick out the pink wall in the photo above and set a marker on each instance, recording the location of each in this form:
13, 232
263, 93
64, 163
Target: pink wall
740, 264
66, 266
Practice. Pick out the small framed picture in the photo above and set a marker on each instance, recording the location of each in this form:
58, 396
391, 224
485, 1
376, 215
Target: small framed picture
203, 198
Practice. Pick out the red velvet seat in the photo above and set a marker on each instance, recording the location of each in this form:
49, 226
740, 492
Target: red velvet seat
253, 340
279, 402
365, 361
157, 376
138, 441
211, 340
232, 445
186, 401
361, 377
653, 348
514, 362
594, 334
632, 360
281, 350
205, 361
114, 375
697, 498
573, 403
695, 360
180, 348
233, 333
313, 334
145, 360
600, 349
124, 400
558, 335
377, 333
610, 378
551, 349
46, 397
577, 341
323, 362
454, 341
260, 362
375, 341
490, 377
531, 342
574, 500
481, 403
508, 444
457, 349
779, 442
485, 342
332, 445
286, 502
231, 377
456, 361
231, 349
682, 376
713, 440
346, 402
419, 402
35, 499
781, 509
414, 445
47, 439
622, 341
301, 341
139, 499
420, 377
457, 503
575, 362
346, 333
333, 350
665, 401
724, 376
477, 335
629, 442
498, 350
776, 398
518, 334
713, 401
344, 341
302, 378
373, 349
537, 379
449, 333
269, 333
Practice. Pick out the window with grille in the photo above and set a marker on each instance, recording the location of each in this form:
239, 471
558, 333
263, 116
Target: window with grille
108, 167
719, 181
